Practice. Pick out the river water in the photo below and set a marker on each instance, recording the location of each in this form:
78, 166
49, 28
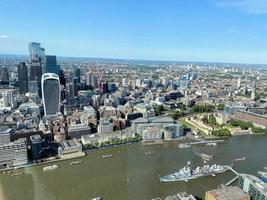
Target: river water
131, 174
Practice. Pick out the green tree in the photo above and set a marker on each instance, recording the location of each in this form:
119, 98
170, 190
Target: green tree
205, 119
257, 130
220, 106
177, 114
222, 132
201, 108
158, 109
212, 120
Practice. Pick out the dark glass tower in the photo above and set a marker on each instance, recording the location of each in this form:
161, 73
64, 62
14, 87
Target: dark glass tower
51, 65
23, 78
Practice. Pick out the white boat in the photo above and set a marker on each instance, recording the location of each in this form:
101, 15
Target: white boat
184, 145
97, 198
17, 174
149, 152
240, 159
51, 167
76, 162
107, 156
211, 144
206, 156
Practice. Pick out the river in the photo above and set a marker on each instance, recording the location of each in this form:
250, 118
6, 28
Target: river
131, 174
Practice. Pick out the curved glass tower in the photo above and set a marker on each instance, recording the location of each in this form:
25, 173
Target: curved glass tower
50, 93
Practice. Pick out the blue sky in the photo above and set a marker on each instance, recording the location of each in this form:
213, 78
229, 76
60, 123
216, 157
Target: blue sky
188, 30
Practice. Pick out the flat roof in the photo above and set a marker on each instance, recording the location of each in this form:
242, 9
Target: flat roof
226, 193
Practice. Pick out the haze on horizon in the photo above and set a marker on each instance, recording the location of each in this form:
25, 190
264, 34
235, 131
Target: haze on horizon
186, 30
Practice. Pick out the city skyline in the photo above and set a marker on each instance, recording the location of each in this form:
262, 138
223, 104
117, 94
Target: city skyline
213, 31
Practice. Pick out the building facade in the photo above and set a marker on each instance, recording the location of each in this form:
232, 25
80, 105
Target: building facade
23, 77
13, 153
50, 93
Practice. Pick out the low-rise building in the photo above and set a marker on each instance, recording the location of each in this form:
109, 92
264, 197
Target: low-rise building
251, 117
69, 147
77, 130
104, 127
152, 134
227, 193
13, 153
5, 135
181, 196
172, 131
253, 186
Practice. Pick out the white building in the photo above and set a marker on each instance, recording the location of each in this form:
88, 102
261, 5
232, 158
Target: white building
104, 127
13, 153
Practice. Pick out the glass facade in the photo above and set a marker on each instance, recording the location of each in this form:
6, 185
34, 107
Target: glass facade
50, 87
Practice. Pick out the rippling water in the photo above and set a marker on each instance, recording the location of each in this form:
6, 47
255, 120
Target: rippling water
131, 174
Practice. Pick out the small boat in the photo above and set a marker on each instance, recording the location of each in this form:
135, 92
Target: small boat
206, 156
184, 145
97, 198
265, 168
76, 162
149, 152
17, 174
240, 159
107, 156
51, 167
211, 144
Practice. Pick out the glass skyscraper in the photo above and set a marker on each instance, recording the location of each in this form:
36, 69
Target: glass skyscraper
23, 77
51, 65
50, 93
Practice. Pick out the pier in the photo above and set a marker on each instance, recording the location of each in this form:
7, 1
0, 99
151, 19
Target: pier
233, 179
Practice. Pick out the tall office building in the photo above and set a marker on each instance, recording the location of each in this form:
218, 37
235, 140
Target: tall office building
78, 75
239, 82
36, 66
36, 53
50, 93
23, 77
91, 80
4, 75
51, 65
75, 86
35, 76
36, 146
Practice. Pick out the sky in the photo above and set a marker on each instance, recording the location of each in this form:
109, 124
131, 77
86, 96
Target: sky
178, 30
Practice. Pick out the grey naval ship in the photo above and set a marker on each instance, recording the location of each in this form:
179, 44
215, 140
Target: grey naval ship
186, 173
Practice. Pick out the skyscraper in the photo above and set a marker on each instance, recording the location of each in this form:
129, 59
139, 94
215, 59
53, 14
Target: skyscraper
23, 77
91, 80
4, 75
36, 53
36, 66
51, 65
78, 75
35, 75
50, 93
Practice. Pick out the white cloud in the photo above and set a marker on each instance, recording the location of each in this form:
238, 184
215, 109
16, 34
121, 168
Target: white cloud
250, 6
4, 36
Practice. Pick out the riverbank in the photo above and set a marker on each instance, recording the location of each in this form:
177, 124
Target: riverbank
69, 157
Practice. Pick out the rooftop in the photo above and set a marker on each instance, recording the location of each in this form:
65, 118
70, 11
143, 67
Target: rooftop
226, 193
